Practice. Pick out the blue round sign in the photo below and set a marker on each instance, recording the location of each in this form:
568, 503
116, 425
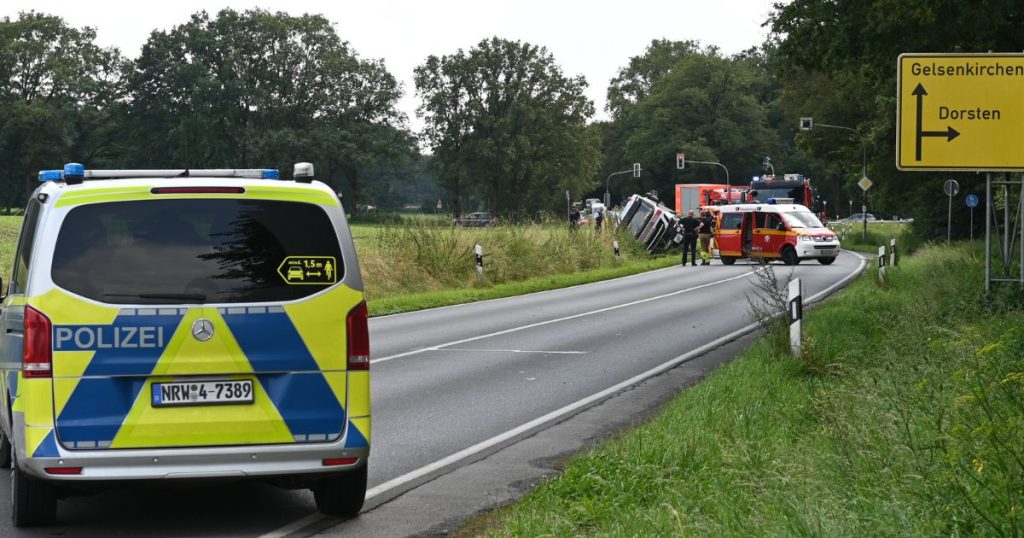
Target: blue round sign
971, 200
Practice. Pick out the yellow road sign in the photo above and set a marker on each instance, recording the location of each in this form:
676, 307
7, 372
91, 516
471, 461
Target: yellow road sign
960, 112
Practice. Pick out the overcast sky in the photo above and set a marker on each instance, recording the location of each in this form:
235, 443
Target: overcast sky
593, 38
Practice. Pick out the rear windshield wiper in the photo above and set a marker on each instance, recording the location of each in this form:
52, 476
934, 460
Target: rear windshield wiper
188, 297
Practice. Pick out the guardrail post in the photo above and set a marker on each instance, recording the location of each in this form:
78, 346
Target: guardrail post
796, 315
615, 247
892, 252
881, 264
479, 264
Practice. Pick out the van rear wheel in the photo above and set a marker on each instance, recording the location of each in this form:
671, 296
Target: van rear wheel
341, 495
789, 256
5, 450
728, 260
33, 502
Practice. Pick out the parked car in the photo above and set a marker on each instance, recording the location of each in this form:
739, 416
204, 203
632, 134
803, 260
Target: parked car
860, 217
478, 219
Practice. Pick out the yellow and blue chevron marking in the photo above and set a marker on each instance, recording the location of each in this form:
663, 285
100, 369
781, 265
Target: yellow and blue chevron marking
106, 360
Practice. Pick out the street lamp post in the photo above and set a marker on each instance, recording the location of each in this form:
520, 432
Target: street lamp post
807, 123
607, 194
727, 183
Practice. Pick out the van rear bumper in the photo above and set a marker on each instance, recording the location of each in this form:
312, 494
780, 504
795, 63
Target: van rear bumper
200, 463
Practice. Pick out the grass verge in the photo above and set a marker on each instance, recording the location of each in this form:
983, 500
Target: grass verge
420, 301
906, 417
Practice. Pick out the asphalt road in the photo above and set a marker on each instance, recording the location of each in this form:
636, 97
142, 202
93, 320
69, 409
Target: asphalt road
452, 385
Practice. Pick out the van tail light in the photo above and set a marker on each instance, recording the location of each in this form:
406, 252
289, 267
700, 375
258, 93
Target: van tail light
36, 348
358, 333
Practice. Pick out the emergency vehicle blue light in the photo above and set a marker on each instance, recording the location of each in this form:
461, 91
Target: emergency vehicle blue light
74, 170
51, 175
271, 173
756, 178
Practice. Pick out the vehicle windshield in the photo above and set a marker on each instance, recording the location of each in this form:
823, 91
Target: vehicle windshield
802, 219
196, 251
765, 193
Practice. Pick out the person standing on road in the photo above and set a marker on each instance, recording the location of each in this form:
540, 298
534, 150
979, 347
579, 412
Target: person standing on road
707, 227
689, 225
598, 219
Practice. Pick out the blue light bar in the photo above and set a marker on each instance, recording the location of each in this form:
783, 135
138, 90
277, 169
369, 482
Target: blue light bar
51, 175
74, 170
271, 173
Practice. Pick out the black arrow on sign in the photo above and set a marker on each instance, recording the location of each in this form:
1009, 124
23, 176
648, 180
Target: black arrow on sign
950, 133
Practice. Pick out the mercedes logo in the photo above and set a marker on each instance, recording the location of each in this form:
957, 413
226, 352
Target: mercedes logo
202, 329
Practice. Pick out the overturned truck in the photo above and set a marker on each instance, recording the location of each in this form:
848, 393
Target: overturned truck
649, 222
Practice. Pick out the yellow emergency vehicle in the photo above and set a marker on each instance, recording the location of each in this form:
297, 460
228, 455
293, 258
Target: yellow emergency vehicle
184, 325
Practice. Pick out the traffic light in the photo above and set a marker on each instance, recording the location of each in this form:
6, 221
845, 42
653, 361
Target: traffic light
636, 169
806, 124
680, 161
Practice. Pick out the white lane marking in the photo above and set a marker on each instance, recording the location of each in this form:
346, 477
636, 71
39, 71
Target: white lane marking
294, 526
557, 320
516, 351
556, 414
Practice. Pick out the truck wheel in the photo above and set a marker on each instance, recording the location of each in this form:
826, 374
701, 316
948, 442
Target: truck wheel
789, 256
827, 261
341, 495
5, 450
728, 260
33, 502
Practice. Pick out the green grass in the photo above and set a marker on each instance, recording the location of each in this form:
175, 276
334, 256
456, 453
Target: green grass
905, 418
414, 267
10, 227
879, 234
420, 301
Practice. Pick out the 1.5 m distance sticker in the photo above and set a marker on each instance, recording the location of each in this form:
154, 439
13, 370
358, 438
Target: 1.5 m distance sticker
309, 270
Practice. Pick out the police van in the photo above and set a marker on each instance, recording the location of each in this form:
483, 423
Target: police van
183, 325
787, 232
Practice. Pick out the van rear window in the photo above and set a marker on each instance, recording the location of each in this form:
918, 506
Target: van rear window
196, 251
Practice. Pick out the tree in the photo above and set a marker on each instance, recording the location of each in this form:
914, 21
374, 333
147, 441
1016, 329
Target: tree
258, 89
679, 97
507, 128
838, 60
634, 82
58, 102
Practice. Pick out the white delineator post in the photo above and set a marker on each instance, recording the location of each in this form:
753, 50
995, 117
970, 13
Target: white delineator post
615, 246
881, 264
479, 263
796, 315
892, 252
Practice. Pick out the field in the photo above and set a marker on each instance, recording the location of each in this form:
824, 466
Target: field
10, 226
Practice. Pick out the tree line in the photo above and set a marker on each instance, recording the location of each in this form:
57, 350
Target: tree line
506, 129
